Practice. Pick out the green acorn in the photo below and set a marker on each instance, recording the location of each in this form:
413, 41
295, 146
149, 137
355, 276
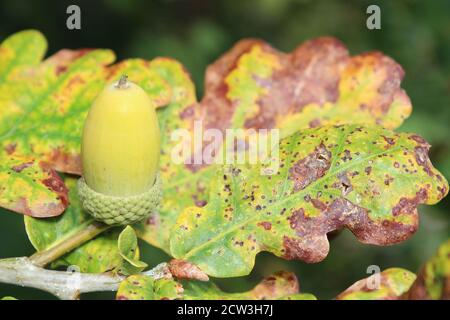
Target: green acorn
120, 153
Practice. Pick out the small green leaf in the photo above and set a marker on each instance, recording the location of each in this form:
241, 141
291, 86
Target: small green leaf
367, 179
392, 284
98, 255
8, 298
129, 250
433, 280
140, 287
31, 188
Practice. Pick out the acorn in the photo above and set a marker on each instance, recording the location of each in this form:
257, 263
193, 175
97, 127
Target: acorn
120, 150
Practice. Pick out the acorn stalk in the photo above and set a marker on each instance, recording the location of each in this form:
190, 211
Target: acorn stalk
120, 153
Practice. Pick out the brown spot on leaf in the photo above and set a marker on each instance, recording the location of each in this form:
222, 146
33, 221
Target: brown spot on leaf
310, 168
275, 286
56, 184
152, 220
10, 148
347, 156
310, 243
64, 162
189, 112
407, 206
266, 225
318, 204
421, 155
201, 203
215, 108
63, 58
308, 249
418, 139
23, 166
344, 184
314, 123
390, 141
310, 74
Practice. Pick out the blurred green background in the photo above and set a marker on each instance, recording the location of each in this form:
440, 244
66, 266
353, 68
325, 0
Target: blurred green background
414, 33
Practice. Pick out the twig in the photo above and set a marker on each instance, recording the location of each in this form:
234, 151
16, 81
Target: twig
91, 230
65, 285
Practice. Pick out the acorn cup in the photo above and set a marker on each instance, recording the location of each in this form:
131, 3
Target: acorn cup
120, 153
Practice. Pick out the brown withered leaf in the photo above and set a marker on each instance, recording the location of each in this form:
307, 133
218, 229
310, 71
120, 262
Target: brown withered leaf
256, 86
181, 269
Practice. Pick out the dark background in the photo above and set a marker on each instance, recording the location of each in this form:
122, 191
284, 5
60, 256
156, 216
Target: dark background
414, 33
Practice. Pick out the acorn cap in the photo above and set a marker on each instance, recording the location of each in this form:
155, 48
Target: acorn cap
120, 210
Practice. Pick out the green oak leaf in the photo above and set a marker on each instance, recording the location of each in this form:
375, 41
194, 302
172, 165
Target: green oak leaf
30, 187
129, 251
141, 287
98, 255
433, 281
254, 86
27, 186
45, 117
365, 178
392, 284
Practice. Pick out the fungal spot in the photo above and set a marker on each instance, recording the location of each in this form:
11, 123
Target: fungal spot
418, 139
408, 206
390, 141
201, 203
442, 190
310, 168
314, 123
266, 225
347, 156
10, 148
56, 184
23, 166
388, 180
344, 184
310, 250
421, 155
318, 204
